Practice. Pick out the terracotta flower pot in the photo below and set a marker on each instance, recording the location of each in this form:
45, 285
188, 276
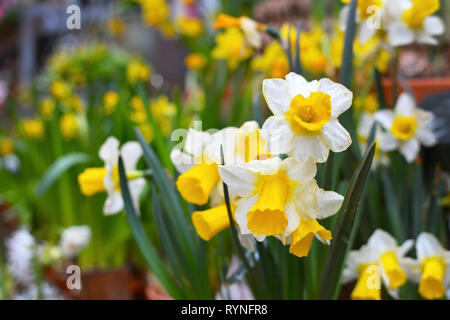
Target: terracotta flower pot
109, 284
420, 86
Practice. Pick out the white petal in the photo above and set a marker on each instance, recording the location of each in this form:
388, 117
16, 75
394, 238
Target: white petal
329, 203
381, 241
433, 25
276, 95
296, 85
335, 136
305, 199
109, 151
113, 203
341, 97
225, 138
300, 172
310, 146
131, 152
365, 31
182, 161
136, 186
405, 248
405, 105
242, 208
387, 142
400, 35
385, 118
365, 125
410, 149
247, 241
292, 217
412, 268
196, 141
278, 134
427, 246
426, 137
424, 37
423, 117
238, 178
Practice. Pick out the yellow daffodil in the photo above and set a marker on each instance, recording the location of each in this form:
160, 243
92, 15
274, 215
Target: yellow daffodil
32, 128
414, 22
273, 62
110, 101
250, 28
6, 146
371, 14
60, 89
381, 259
46, 108
137, 71
305, 122
69, 125
163, 112
281, 198
195, 61
230, 46
116, 26
406, 128
95, 180
432, 267
189, 26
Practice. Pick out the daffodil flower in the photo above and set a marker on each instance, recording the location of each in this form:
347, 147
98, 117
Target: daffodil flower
431, 269
305, 121
370, 14
414, 22
281, 198
250, 28
95, 180
74, 239
200, 179
381, 259
406, 128
365, 124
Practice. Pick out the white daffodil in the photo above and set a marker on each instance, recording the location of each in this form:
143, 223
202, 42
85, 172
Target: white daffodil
381, 259
94, 180
281, 198
407, 128
305, 121
74, 239
200, 179
250, 27
371, 15
201, 155
432, 267
365, 124
414, 22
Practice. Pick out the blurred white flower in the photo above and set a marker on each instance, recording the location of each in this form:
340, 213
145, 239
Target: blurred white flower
20, 253
74, 239
406, 128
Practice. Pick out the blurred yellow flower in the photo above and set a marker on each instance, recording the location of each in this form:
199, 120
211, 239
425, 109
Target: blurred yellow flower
189, 26
155, 12
147, 131
110, 101
32, 128
230, 46
163, 111
418, 12
69, 125
6, 146
116, 26
195, 61
273, 62
137, 71
249, 27
59, 89
75, 103
46, 108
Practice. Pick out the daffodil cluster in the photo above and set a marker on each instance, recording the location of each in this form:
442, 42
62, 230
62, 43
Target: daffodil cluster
270, 171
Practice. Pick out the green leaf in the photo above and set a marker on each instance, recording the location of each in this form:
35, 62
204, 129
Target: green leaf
340, 245
145, 246
57, 168
297, 62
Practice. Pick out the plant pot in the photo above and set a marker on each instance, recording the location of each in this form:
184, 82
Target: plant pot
109, 284
420, 86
